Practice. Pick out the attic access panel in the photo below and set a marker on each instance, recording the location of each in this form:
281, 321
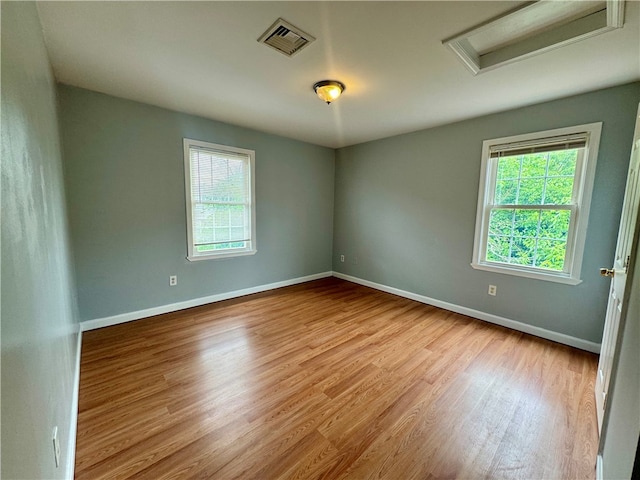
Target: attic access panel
536, 28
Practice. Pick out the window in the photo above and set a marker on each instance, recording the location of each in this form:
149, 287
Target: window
220, 200
533, 203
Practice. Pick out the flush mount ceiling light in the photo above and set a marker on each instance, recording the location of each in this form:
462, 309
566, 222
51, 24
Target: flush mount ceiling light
536, 28
328, 90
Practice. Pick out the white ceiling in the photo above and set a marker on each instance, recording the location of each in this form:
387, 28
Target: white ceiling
203, 58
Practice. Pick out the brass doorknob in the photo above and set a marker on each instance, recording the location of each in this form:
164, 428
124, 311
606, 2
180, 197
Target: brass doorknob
607, 272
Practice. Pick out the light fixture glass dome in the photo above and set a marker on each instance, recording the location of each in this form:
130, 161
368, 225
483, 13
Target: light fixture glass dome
328, 90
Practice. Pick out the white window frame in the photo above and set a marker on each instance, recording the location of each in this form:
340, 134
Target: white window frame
250, 249
583, 188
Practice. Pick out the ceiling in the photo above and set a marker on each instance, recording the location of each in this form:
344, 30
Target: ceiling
203, 58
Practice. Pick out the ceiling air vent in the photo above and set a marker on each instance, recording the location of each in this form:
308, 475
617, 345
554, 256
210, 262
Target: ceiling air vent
285, 38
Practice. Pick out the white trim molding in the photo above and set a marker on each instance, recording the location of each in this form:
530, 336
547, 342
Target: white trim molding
73, 423
586, 140
196, 302
487, 317
244, 157
599, 470
552, 25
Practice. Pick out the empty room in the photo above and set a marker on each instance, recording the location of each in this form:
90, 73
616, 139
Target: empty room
320, 240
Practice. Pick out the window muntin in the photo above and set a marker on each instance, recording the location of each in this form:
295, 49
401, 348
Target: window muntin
533, 203
220, 200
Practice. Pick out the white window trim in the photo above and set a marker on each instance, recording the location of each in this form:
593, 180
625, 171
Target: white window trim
578, 228
191, 254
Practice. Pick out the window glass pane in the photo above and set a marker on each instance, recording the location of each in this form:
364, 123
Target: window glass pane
554, 224
522, 251
213, 223
232, 186
204, 234
533, 238
526, 223
534, 165
219, 246
222, 234
203, 223
559, 191
221, 215
218, 179
237, 215
237, 233
506, 192
531, 191
536, 178
550, 254
508, 167
563, 162
501, 221
498, 248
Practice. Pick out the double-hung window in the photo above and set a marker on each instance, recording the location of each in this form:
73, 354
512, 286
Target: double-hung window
533, 203
219, 183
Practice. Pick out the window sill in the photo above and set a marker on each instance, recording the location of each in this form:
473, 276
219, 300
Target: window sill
239, 253
548, 277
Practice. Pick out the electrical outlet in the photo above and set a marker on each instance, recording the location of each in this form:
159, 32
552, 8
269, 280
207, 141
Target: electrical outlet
493, 290
342, 258
354, 260
56, 446
173, 280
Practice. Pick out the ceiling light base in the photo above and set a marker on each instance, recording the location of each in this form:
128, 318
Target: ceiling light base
328, 90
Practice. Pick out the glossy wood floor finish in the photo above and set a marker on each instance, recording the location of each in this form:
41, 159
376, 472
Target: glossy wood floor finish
331, 380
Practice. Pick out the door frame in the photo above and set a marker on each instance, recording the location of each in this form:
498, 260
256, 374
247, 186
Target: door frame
633, 263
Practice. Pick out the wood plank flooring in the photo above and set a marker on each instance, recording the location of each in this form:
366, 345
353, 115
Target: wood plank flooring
331, 380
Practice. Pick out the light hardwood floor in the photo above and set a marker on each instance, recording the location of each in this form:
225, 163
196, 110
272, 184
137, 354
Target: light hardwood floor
331, 380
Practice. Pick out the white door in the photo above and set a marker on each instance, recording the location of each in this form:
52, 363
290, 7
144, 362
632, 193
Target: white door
619, 275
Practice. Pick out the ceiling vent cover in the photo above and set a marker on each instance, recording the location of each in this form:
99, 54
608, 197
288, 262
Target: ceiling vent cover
285, 38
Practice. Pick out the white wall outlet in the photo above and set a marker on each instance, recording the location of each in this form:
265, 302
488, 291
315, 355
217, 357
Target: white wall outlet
173, 280
493, 290
342, 258
56, 446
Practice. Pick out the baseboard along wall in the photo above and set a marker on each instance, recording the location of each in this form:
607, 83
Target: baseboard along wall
487, 317
73, 426
196, 302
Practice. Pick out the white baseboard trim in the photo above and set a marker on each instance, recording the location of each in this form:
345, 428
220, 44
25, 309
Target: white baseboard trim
599, 471
488, 317
196, 302
73, 424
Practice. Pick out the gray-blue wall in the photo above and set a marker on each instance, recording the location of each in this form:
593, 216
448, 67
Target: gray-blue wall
39, 321
125, 181
405, 211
